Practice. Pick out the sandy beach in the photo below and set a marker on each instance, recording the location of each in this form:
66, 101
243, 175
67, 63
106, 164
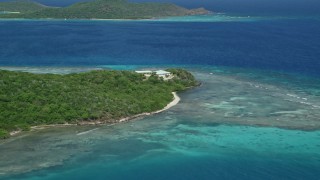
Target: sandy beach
175, 101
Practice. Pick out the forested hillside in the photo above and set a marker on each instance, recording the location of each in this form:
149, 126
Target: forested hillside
35, 99
98, 9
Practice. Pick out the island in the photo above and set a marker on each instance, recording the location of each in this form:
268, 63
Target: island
95, 97
98, 9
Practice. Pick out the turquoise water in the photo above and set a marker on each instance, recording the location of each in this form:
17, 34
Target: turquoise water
139, 150
233, 126
210, 18
256, 115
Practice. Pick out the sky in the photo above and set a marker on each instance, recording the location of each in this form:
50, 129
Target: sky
248, 7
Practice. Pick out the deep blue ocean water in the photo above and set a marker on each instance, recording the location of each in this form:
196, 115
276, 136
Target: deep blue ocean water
286, 45
255, 117
237, 7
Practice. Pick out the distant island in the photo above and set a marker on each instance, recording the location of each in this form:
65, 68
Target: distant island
95, 97
98, 9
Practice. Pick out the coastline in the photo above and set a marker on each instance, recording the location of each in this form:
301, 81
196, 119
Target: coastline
176, 99
164, 18
89, 19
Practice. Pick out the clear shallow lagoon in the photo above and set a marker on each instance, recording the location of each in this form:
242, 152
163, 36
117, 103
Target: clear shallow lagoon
225, 129
256, 116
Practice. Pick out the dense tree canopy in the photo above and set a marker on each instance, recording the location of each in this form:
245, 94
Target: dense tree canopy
98, 9
32, 99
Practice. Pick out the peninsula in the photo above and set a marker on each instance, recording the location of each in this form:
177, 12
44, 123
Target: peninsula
99, 96
98, 9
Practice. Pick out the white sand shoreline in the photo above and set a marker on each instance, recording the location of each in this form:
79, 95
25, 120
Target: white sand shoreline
175, 101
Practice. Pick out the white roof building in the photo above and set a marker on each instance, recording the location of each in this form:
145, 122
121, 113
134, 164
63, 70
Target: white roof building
144, 72
162, 73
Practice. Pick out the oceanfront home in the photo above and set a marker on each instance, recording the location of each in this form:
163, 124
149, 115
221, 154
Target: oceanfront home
161, 73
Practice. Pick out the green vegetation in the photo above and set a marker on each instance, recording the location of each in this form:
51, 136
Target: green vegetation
21, 6
35, 99
4, 134
98, 9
